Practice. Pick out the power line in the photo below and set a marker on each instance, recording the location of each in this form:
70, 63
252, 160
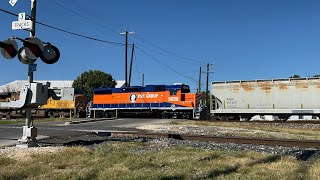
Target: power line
169, 52
83, 36
158, 52
69, 32
182, 58
99, 17
90, 20
8, 12
153, 58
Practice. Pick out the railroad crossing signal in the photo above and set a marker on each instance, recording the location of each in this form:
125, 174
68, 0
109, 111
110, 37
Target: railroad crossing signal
32, 49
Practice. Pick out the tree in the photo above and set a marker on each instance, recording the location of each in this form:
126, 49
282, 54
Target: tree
89, 80
317, 75
295, 76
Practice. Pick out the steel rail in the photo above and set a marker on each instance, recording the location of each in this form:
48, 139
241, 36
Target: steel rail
224, 139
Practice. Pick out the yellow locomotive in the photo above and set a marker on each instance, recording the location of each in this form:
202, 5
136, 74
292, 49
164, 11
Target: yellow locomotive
62, 102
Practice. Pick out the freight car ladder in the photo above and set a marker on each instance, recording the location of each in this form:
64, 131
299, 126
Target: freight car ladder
88, 109
199, 106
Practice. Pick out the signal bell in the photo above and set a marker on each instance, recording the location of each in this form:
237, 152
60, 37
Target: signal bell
9, 48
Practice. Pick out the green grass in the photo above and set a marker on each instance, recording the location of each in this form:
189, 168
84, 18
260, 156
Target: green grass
22, 121
117, 160
12, 121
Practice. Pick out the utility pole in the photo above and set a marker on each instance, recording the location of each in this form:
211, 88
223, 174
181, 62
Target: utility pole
130, 71
142, 80
207, 83
199, 82
126, 56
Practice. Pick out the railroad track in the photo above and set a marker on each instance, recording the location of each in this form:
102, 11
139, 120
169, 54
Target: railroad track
223, 139
264, 121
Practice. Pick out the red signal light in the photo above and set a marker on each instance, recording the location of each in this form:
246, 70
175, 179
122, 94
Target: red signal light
35, 46
9, 48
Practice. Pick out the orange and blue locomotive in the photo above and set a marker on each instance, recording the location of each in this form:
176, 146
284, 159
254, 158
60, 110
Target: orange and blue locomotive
161, 101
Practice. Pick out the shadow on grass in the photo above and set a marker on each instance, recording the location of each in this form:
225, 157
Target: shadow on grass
308, 154
172, 177
233, 169
83, 143
228, 170
269, 159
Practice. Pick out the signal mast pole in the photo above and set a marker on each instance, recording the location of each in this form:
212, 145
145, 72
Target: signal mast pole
28, 128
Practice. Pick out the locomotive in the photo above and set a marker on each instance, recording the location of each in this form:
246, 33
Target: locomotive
160, 101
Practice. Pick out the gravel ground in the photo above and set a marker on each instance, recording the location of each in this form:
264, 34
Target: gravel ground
228, 131
283, 125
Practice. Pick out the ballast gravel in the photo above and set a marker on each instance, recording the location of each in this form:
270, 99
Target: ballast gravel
155, 145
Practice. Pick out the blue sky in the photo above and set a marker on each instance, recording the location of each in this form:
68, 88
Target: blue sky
243, 39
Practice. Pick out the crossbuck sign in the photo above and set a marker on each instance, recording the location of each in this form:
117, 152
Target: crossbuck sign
13, 2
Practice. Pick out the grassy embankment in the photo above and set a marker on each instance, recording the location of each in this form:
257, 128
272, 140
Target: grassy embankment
130, 160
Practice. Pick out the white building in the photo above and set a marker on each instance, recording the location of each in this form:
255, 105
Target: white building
15, 86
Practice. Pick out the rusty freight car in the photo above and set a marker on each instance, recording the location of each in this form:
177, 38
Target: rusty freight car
297, 98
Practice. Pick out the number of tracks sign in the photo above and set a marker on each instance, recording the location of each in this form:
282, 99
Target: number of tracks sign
22, 23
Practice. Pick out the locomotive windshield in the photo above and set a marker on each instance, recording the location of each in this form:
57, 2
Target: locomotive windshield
185, 89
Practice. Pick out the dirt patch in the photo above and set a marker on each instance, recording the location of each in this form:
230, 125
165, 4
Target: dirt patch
25, 154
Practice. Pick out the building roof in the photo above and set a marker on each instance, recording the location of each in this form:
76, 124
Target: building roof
15, 86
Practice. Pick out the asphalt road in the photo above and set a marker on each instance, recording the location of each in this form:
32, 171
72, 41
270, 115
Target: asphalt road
9, 134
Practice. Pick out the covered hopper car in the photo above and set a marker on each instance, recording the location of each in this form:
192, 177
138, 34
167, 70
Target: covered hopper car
276, 99
163, 101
